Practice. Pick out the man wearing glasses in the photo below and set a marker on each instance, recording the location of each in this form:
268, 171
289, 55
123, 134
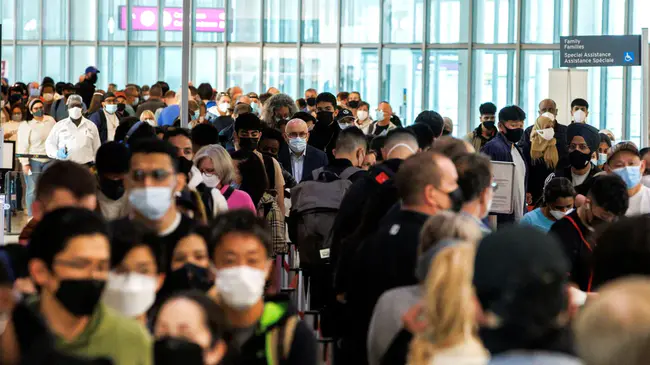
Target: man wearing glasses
297, 156
583, 140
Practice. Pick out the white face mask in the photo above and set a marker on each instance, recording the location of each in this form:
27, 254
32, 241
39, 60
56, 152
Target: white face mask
547, 133
557, 214
130, 294
579, 116
210, 181
645, 180
74, 113
549, 115
362, 115
223, 107
241, 286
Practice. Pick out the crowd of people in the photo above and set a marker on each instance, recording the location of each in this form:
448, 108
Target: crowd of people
150, 243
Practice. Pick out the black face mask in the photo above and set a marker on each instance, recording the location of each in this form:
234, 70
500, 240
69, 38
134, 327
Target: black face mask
120, 107
353, 104
188, 277
311, 101
248, 144
513, 135
113, 189
80, 296
489, 125
270, 155
457, 200
325, 117
172, 351
93, 78
578, 159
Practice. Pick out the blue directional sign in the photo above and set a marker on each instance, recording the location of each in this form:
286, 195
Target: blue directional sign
600, 51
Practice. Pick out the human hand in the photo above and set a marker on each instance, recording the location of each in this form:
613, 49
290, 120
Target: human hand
62, 154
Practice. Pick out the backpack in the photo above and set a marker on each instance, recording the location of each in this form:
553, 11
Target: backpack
314, 206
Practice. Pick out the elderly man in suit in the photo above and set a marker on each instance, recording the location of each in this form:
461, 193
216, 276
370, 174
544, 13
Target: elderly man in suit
298, 157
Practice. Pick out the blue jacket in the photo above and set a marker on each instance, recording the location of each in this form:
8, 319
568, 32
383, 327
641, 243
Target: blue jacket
99, 118
168, 115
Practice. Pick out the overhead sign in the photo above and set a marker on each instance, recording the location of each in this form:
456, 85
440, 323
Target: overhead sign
600, 51
146, 18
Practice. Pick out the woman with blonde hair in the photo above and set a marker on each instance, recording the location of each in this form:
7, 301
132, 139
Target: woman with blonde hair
544, 155
148, 117
450, 311
386, 321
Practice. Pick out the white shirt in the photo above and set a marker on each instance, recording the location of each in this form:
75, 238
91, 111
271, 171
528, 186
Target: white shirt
113, 209
297, 162
639, 202
580, 179
111, 125
11, 127
32, 136
82, 142
519, 186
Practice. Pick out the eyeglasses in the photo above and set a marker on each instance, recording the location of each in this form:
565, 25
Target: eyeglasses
158, 175
297, 134
578, 146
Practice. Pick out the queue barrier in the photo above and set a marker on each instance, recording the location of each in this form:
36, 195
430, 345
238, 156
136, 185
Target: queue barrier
11, 183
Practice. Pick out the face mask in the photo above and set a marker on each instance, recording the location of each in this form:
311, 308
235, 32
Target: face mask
130, 294
578, 159
630, 174
311, 101
38, 113
17, 117
196, 115
172, 351
34, 93
549, 116
345, 125
602, 159
136, 101
646, 180
297, 145
110, 108
223, 107
513, 135
188, 277
557, 214
113, 189
488, 125
120, 107
594, 162
579, 116
353, 104
248, 144
145, 97
240, 287
547, 133
80, 296
457, 200
48, 97
152, 202
379, 115
210, 181
74, 113
93, 78
325, 117
362, 115
151, 122
255, 108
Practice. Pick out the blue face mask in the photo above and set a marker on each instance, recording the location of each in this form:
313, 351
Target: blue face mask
630, 174
298, 144
110, 108
196, 115
379, 115
255, 108
152, 202
602, 159
345, 125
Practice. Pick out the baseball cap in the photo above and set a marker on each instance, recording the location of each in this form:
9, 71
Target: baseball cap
108, 95
623, 147
120, 94
92, 69
344, 113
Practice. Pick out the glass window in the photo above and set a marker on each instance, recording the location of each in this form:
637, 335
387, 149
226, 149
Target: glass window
495, 21
9, 63
112, 26
635, 107
545, 20
360, 21
83, 24
142, 66
25, 70
448, 21
640, 16
281, 21
7, 19
244, 68
493, 79
55, 63
144, 20
318, 69
29, 15
448, 73
208, 65
213, 12
55, 16
590, 17
244, 21
172, 29
360, 72
403, 21
112, 66
402, 82
594, 95
616, 14
280, 68
319, 21
80, 58
534, 80
614, 107
170, 64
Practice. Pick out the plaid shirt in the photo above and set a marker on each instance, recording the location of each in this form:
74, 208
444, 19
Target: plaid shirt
275, 221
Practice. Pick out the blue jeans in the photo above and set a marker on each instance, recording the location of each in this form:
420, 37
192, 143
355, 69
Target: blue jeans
30, 180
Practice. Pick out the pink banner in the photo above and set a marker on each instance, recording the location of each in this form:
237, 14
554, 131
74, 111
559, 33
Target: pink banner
146, 18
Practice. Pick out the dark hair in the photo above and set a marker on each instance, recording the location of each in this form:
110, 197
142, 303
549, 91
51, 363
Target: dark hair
474, 174
163, 86
511, 112
302, 103
350, 139
416, 173
129, 234
213, 314
343, 95
204, 134
253, 174
450, 146
67, 175
50, 85
623, 249
248, 122
47, 80
242, 222
376, 144
175, 132
112, 158
6, 279
154, 145
628, 147
558, 187
423, 134
58, 227
205, 91
644, 151
326, 98
143, 131
156, 91
610, 193
193, 90
271, 133
124, 127
605, 138
264, 97
487, 109
170, 94
433, 120
579, 102
306, 117
241, 109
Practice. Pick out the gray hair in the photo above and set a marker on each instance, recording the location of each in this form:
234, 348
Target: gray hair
223, 165
72, 98
274, 102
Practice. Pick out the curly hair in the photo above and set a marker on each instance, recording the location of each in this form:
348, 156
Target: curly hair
274, 102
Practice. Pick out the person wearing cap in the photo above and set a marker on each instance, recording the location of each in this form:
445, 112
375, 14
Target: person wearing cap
606, 201
583, 141
299, 158
521, 285
382, 117
59, 109
31, 140
86, 88
106, 118
625, 161
112, 166
74, 138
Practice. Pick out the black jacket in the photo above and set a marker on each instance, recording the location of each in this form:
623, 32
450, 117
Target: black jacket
576, 249
323, 137
151, 105
86, 89
314, 159
564, 170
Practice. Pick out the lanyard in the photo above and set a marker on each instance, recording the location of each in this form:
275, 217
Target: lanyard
582, 237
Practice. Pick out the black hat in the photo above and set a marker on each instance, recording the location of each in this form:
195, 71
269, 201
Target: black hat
108, 95
589, 133
344, 113
433, 120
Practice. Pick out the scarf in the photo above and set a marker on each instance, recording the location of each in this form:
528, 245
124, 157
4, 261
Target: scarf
541, 148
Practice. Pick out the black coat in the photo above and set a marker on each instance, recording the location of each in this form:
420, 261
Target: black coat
151, 105
314, 159
86, 89
575, 248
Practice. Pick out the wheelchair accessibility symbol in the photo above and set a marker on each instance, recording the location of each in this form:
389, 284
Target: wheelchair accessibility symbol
629, 57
